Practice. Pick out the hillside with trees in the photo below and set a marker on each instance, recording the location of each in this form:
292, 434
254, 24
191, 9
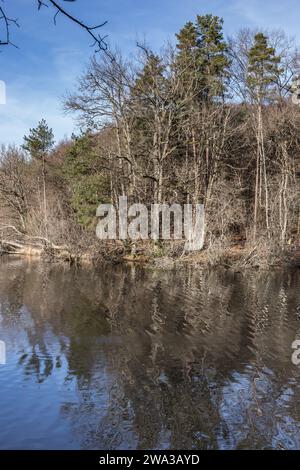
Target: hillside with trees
206, 120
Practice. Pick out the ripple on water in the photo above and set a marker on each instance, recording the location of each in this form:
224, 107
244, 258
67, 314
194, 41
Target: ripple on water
133, 359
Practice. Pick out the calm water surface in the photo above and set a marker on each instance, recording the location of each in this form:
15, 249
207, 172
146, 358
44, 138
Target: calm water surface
125, 358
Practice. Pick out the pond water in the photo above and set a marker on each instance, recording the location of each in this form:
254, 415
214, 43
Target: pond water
126, 358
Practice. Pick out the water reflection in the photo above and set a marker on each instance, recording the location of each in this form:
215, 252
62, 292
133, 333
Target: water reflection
127, 358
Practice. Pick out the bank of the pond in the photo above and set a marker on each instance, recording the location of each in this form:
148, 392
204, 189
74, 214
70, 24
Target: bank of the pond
157, 255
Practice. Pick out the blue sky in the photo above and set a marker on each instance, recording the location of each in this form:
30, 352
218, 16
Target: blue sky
49, 57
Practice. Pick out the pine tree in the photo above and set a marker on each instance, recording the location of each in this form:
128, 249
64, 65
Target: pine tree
150, 81
213, 53
187, 62
154, 104
263, 69
201, 64
89, 186
38, 143
148, 94
203, 54
187, 38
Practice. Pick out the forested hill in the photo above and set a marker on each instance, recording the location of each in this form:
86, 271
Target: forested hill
209, 120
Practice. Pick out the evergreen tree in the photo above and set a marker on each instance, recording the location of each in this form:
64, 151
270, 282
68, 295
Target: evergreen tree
39, 141
188, 63
263, 68
150, 81
148, 95
89, 186
203, 55
213, 53
187, 38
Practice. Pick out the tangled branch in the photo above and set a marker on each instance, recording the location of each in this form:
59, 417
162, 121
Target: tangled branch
93, 31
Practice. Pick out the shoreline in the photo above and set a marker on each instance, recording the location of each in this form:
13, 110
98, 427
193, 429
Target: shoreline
235, 257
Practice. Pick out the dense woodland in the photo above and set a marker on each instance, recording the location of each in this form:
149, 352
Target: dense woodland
207, 120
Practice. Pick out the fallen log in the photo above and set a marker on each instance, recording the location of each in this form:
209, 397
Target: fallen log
33, 242
13, 247
16, 248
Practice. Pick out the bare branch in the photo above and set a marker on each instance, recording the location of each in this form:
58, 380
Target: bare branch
98, 41
7, 23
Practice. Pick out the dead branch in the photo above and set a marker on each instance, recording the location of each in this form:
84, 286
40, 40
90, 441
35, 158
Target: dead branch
98, 41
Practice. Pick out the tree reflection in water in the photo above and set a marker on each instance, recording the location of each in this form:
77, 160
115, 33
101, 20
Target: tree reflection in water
130, 358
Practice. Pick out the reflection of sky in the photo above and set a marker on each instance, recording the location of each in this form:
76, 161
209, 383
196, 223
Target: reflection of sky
252, 406
45, 403
50, 58
33, 383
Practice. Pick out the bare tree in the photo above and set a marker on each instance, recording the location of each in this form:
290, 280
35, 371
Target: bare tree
14, 186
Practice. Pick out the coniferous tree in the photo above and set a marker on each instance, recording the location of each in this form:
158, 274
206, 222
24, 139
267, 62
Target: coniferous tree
151, 100
213, 52
39, 141
187, 38
88, 184
263, 69
38, 144
202, 62
203, 53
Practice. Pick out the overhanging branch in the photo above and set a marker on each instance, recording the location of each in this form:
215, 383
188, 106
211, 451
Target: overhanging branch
7, 22
93, 31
